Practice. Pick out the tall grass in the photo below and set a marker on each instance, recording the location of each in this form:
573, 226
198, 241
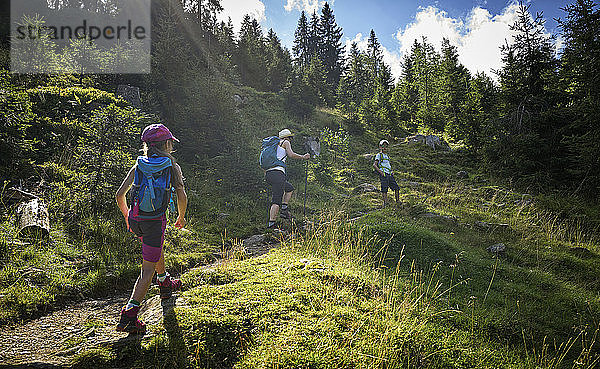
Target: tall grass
413, 304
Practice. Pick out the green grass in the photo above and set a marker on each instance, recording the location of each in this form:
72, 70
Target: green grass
394, 289
38, 274
346, 295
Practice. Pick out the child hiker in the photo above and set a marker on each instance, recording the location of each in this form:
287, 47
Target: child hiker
153, 177
384, 169
275, 151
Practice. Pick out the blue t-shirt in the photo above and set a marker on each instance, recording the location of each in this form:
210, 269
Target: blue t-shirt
384, 163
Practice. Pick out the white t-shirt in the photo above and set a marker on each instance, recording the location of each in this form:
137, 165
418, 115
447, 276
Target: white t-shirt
281, 155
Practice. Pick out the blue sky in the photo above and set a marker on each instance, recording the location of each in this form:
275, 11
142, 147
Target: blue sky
476, 27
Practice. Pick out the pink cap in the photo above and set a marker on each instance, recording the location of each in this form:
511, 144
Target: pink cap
156, 133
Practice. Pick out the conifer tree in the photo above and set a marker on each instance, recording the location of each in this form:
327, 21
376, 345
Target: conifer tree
375, 54
314, 40
455, 88
331, 49
355, 83
251, 56
279, 64
302, 48
579, 72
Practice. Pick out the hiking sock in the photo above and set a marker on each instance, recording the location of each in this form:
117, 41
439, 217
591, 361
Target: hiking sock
132, 304
161, 277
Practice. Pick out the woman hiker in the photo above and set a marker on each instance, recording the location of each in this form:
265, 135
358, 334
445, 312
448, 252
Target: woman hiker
153, 177
277, 179
386, 176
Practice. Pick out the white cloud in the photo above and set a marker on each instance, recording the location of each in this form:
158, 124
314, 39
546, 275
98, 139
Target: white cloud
236, 9
309, 6
478, 37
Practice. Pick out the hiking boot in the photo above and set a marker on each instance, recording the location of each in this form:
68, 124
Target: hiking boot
168, 287
273, 226
285, 214
129, 322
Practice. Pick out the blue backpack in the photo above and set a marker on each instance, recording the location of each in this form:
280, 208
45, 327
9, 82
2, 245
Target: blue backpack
268, 154
152, 190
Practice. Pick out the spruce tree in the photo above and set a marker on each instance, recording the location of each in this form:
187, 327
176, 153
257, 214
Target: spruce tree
331, 49
251, 55
301, 48
279, 64
579, 73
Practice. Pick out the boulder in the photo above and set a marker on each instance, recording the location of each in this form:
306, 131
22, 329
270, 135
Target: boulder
238, 100
365, 187
497, 248
462, 174
256, 240
131, 94
435, 142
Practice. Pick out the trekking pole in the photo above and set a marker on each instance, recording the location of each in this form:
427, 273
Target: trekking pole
305, 186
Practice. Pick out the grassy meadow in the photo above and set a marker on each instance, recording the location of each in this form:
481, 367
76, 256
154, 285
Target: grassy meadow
409, 286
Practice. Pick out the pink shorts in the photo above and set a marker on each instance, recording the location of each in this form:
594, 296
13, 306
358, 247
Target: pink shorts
152, 234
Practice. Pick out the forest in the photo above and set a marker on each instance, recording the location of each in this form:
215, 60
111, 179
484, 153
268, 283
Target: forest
413, 285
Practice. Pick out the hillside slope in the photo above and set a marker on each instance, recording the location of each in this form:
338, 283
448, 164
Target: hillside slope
405, 286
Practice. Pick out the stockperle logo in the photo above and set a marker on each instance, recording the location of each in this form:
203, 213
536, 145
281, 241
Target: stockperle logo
102, 37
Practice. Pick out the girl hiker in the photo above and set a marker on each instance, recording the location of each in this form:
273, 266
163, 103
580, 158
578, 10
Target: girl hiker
153, 177
384, 169
273, 156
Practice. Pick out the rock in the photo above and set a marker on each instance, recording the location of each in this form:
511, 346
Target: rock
415, 139
238, 100
413, 184
365, 187
432, 141
253, 241
222, 215
131, 94
462, 174
497, 248
154, 309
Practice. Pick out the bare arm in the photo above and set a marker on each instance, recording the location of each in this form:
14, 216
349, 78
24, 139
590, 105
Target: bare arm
182, 199
291, 154
376, 166
122, 191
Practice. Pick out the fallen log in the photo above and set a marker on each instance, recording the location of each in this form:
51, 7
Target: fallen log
13, 195
33, 219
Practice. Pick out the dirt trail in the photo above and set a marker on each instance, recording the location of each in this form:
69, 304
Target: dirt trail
53, 340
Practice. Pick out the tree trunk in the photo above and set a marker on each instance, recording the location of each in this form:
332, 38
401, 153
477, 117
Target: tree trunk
33, 218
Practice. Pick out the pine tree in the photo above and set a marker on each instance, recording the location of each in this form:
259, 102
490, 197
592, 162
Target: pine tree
331, 49
302, 48
455, 88
279, 64
528, 62
579, 72
314, 40
374, 53
251, 56
355, 83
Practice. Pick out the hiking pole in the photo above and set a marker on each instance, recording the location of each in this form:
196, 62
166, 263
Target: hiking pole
313, 147
305, 186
